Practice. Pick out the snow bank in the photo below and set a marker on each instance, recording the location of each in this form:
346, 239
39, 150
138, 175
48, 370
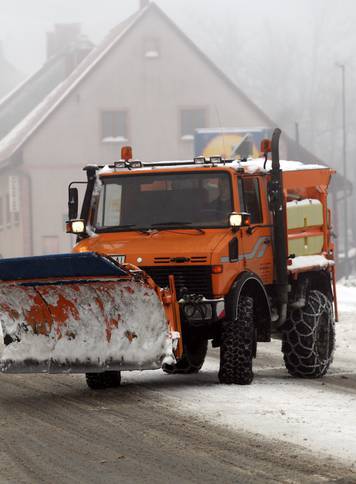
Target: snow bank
346, 290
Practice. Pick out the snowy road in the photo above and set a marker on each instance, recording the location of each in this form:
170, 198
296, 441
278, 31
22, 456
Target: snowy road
162, 428
54, 430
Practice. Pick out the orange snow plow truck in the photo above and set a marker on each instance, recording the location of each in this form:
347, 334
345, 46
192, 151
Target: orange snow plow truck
170, 255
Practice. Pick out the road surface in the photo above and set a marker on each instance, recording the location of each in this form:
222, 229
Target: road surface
54, 429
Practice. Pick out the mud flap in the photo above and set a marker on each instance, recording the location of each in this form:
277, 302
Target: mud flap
83, 326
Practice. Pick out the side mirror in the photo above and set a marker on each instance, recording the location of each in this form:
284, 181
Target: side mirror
72, 203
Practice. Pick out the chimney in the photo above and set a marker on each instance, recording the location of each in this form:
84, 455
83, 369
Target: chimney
67, 41
61, 38
144, 3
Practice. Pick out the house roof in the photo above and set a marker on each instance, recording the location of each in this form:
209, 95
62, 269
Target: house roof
10, 75
25, 128
17, 104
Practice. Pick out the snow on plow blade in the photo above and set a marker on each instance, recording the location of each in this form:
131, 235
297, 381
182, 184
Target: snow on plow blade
79, 313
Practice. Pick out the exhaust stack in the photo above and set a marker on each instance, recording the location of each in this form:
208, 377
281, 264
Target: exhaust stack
278, 208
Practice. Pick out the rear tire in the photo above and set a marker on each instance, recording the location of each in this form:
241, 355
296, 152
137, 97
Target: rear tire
106, 379
238, 342
309, 338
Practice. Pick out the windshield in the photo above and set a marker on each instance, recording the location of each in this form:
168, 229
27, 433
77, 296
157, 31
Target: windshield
164, 200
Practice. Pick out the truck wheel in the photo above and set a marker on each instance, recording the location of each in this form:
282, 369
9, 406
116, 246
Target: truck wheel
309, 337
238, 343
192, 359
106, 379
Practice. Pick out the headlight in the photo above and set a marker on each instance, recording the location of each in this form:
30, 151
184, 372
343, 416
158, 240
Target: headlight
235, 220
239, 220
75, 227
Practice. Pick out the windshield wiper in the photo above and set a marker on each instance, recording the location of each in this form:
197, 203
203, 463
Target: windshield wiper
176, 225
116, 228
156, 226
170, 223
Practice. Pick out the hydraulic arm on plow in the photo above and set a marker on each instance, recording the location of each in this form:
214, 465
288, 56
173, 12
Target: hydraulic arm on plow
170, 255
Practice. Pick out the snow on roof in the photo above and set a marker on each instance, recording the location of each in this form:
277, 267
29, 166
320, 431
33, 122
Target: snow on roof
253, 165
23, 130
17, 88
15, 139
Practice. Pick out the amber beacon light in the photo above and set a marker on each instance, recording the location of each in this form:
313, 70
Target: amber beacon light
126, 153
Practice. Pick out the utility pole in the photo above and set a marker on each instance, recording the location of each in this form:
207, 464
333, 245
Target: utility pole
297, 134
344, 161
297, 140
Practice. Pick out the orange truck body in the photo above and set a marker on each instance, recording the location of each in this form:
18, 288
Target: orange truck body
211, 248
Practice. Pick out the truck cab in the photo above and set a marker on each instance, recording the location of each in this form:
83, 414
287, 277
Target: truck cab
170, 220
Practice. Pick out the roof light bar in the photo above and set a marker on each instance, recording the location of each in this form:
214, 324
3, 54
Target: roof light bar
199, 160
127, 164
120, 164
136, 164
216, 159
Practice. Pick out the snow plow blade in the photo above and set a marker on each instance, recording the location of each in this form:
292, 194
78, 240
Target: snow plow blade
80, 313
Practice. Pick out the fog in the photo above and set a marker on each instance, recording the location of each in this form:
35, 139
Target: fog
285, 55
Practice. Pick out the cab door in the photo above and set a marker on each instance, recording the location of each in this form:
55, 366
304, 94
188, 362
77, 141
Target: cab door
256, 239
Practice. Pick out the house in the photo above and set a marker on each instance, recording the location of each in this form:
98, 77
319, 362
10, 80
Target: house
146, 85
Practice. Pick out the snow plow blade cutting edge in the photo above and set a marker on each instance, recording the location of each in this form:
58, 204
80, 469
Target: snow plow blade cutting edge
80, 313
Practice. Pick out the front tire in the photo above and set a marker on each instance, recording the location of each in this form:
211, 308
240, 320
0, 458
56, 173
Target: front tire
238, 343
106, 379
309, 338
192, 359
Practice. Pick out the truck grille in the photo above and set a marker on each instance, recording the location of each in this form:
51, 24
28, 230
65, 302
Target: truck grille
197, 259
196, 279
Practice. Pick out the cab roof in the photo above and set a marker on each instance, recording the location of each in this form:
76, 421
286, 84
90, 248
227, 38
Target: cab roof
249, 166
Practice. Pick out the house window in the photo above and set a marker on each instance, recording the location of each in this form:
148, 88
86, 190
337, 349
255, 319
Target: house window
190, 120
151, 48
114, 126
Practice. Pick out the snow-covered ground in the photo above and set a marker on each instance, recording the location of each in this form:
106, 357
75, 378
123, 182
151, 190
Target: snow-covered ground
319, 415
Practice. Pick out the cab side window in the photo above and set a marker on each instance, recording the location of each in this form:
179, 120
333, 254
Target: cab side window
250, 201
